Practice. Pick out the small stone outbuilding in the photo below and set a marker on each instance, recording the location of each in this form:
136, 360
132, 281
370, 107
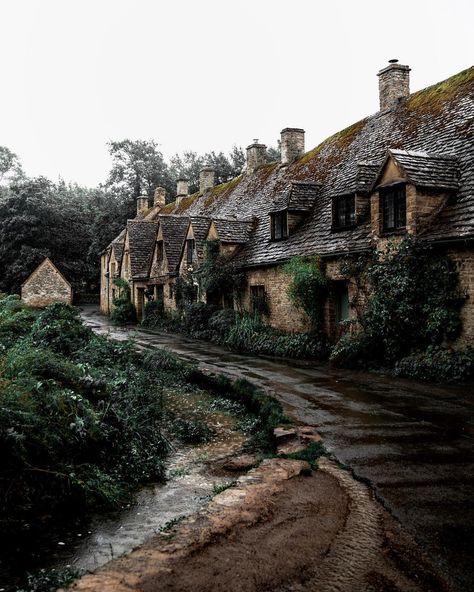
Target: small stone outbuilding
46, 285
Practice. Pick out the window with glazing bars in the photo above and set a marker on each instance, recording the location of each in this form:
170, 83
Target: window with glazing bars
394, 208
343, 211
279, 225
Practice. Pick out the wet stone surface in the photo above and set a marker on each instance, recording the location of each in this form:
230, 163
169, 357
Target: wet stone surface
413, 442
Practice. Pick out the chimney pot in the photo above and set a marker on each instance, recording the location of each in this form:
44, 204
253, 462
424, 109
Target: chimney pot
159, 199
394, 85
256, 156
207, 178
142, 205
292, 144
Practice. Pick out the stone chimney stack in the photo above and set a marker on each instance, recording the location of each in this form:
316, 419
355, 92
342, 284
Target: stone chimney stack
256, 156
142, 205
159, 199
394, 85
207, 178
182, 190
292, 144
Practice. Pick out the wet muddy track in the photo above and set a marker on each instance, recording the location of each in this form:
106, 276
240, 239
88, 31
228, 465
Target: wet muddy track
413, 443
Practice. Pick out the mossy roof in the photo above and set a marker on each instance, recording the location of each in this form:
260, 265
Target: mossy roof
436, 120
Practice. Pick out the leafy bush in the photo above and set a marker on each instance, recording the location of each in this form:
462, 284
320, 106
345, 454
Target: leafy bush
221, 322
196, 319
308, 287
438, 363
59, 327
123, 312
50, 580
412, 303
153, 313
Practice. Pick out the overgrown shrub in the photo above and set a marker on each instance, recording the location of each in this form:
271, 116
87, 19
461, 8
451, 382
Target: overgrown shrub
221, 322
412, 303
153, 313
196, 319
59, 327
438, 363
123, 312
249, 334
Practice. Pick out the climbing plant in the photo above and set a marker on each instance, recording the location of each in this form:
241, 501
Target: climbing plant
308, 287
218, 273
412, 302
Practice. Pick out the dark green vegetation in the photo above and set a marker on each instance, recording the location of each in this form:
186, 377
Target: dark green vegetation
412, 314
80, 416
124, 311
310, 454
238, 331
84, 420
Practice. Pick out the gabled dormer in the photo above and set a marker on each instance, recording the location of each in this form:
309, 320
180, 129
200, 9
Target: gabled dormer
410, 189
138, 249
194, 244
291, 208
168, 246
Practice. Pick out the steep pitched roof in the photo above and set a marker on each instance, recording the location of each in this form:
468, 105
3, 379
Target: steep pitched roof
233, 231
46, 263
200, 226
141, 240
423, 169
439, 120
365, 176
174, 229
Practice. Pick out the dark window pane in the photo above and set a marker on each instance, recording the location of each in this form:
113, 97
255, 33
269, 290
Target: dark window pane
190, 251
393, 202
279, 225
344, 211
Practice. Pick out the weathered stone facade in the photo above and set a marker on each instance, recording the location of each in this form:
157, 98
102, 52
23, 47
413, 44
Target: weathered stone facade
406, 169
46, 285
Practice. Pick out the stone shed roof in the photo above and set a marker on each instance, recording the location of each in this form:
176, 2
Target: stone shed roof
298, 196
174, 229
141, 240
233, 231
423, 169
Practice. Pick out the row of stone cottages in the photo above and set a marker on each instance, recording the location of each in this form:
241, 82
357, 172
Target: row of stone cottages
409, 168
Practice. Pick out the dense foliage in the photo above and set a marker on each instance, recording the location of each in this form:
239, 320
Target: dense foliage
79, 415
124, 310
239, 331
413, 305
218, 274
308, 288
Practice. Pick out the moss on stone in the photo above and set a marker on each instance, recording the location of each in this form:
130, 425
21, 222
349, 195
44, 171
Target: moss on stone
222, 190
434, 98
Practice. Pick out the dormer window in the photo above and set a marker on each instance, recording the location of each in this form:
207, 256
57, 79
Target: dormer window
393, 207
190, 244
343, 212
279, 225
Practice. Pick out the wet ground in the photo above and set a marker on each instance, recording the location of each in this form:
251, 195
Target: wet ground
414, 443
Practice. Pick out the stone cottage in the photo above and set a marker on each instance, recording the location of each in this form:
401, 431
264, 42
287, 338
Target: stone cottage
409, 168
46, 285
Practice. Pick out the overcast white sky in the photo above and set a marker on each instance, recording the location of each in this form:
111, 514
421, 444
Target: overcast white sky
205, 74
